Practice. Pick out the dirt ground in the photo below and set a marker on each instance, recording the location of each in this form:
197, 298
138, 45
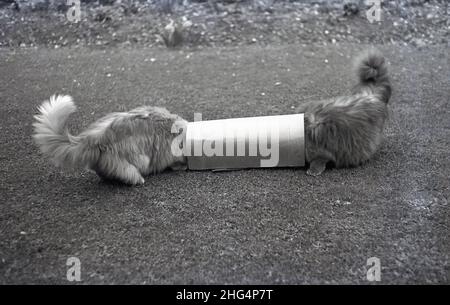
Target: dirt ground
274, 226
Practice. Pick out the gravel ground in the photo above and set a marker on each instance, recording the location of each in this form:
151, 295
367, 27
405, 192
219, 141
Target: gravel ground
141, 23
252, 226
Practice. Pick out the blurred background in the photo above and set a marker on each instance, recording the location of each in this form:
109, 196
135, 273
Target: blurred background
206, 23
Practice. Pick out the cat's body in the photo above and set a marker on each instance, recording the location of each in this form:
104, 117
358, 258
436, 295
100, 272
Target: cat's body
124, 146
347, 130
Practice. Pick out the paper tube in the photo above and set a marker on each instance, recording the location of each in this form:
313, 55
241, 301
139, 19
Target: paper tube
269, 141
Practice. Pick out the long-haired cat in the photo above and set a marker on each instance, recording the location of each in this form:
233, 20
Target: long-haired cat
126, 146
346, 131
122, 146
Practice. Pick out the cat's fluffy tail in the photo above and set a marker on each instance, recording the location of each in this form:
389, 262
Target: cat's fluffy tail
373, 75
53, 138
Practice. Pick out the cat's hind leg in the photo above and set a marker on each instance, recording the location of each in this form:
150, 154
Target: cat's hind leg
113, 167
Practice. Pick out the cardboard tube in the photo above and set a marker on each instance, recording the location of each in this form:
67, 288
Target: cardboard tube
268, 141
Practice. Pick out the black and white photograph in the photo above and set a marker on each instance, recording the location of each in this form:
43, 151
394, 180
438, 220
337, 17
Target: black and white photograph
243, 145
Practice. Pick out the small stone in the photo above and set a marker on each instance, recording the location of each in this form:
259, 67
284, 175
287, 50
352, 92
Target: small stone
418, 42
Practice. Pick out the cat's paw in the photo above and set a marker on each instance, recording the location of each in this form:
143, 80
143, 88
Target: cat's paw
314, 172
136, 181
316, 167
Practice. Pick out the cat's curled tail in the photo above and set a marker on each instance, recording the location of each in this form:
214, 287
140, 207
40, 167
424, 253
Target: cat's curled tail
373, 75
53, 138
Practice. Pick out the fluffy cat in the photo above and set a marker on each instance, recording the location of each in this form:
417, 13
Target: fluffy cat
122, 146
346, 131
